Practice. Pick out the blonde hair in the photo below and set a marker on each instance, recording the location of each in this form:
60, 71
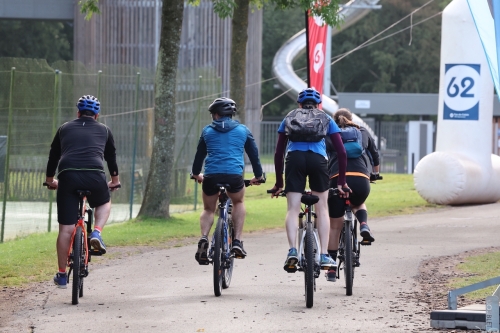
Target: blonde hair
343, 118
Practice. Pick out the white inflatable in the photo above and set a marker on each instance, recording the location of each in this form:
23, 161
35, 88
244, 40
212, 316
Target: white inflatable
462, 170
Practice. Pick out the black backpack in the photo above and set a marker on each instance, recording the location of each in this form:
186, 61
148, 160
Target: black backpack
306, 125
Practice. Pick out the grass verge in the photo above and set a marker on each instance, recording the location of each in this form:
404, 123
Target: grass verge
33, 258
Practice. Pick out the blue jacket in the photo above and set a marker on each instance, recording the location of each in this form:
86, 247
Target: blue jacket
223, 143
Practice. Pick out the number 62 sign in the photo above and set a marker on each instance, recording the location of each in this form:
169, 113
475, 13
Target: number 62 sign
461, 98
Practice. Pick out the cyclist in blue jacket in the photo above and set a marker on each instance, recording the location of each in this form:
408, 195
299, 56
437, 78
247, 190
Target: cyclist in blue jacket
222, 145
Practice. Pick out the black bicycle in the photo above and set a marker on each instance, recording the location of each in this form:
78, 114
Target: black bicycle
308, 250
220, 254
349, 250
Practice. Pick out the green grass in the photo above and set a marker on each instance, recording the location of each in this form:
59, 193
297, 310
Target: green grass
33, 258
479, 268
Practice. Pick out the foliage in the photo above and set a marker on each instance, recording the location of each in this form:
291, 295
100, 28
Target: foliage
89, 7
407, 62
50, 40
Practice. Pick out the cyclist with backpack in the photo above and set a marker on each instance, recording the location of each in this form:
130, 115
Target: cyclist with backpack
223, 143
362, 167
301, 150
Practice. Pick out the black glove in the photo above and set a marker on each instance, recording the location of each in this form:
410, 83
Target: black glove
375, 176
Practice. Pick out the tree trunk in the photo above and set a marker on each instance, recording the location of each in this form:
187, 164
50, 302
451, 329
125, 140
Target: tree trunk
239, 38
157, 194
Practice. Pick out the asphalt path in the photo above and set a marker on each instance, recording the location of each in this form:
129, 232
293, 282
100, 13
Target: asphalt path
167, 291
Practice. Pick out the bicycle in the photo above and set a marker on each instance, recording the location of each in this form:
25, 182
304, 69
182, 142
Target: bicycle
80, 252
349, 250
220, 254
308, 250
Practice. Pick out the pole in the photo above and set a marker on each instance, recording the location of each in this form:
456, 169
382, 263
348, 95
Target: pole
7, 156
307, 51
55, 117
200, 93
132, 172
496, 16
99, 79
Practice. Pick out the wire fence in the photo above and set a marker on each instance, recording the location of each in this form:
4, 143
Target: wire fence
35, 99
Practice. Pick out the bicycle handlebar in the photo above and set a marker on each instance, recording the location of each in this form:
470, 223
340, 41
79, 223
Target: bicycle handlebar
246, 181
111, 188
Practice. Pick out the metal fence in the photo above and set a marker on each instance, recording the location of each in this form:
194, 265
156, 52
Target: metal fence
393, 145
35, 99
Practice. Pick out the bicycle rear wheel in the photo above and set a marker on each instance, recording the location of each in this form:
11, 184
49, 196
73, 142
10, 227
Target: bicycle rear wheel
217, 259
78, 262
349, 258
309, 263
228, 262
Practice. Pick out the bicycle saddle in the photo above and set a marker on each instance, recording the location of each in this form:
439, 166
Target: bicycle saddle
309, 199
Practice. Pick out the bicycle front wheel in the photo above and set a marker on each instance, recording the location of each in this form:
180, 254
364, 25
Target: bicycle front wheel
309, 263
349, 258
78, 263
227, 271
217, 259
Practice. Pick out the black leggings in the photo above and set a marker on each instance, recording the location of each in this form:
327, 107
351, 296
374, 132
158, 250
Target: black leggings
360, 187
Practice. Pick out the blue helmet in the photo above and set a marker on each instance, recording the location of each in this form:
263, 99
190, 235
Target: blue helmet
90, 103
309, 94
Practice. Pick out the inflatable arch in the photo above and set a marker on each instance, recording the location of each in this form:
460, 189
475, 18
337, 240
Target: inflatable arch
462, 170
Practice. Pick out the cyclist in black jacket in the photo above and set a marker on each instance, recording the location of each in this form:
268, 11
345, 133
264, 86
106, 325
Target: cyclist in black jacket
359, 172
77, 152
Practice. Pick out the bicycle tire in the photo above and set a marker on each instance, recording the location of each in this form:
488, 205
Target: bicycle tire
349, 258
309, 269
77, 264
217, 259
228, 262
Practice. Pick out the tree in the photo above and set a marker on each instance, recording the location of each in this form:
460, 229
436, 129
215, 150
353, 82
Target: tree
238, 11
49, 40
157, 195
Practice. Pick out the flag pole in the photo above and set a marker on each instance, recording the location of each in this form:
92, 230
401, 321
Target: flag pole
307, 51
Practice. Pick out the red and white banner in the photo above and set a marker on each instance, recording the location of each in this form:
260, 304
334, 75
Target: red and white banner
317, 32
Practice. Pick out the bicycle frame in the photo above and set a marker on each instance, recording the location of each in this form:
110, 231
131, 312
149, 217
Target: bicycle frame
224, 207
307, 211
81, 224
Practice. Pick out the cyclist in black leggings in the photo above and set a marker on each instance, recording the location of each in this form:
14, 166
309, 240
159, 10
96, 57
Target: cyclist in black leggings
358, 173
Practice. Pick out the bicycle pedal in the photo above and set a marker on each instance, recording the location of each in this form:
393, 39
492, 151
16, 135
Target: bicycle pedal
290, 269
365, 242
331, 275
95, 252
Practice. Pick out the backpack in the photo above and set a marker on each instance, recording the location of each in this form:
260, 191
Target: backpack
353, 141
306, 125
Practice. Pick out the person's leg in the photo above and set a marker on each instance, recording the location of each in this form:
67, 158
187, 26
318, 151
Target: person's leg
101, 215
207, 216
62, 245
206, 222
322, 220
238, 212
362, 216
292, 214
335, 229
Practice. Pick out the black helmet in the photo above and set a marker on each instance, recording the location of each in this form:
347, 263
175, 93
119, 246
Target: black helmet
223, 106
